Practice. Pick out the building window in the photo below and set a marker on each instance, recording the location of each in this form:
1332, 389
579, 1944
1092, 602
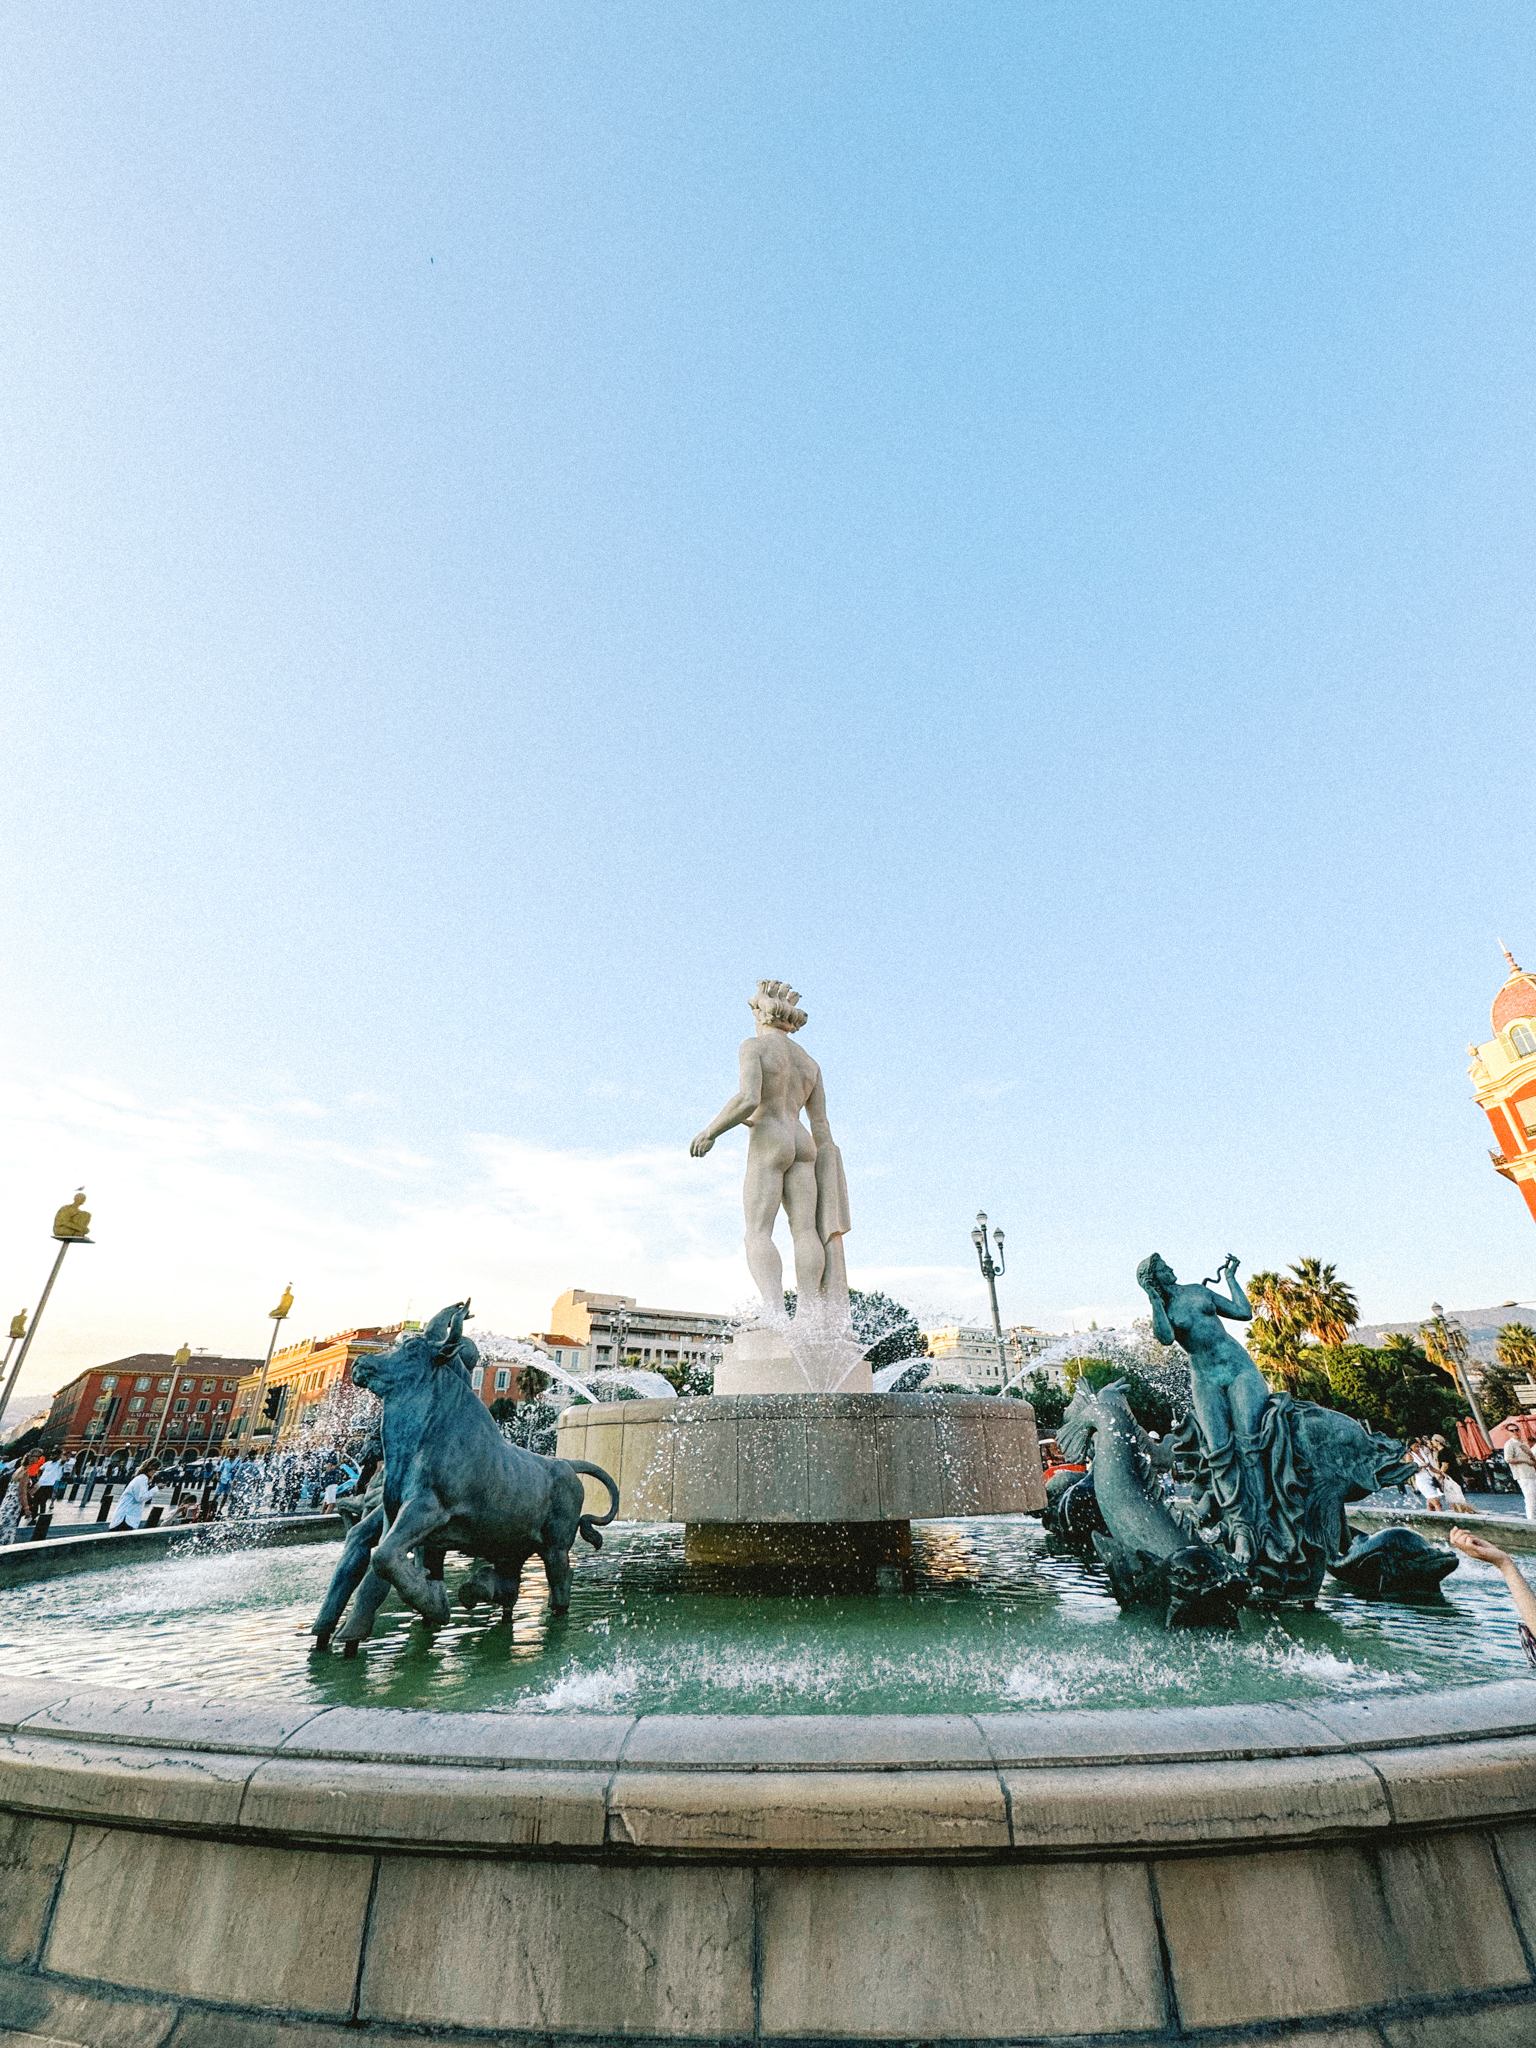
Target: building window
477, 1378
207, 1386
1523, 1039
503, 1379
162, 1386
186, 1386
202, 1407
101, 1402
230, 1386
141, 1386
222, 1409
109, 1383
135, 1404
181, 1408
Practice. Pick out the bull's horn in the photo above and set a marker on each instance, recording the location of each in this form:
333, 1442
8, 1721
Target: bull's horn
445, 1329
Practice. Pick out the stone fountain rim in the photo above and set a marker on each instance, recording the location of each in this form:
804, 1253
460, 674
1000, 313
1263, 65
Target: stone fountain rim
1052, 1782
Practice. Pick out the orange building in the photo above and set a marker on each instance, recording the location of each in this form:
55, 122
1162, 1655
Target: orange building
300, 1378
1504, 1077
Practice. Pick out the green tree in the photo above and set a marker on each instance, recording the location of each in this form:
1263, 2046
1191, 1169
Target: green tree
690, 1378
1394, 1389
1274, 1335
1045, 1397
1497, 1394
503, 1408
1516, 1349
1322, 1303
1148, 1403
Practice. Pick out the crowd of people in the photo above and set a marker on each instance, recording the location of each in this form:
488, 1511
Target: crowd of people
200, 1490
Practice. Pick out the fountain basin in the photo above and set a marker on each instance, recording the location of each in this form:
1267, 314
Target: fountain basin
813, 1479
1204, 1874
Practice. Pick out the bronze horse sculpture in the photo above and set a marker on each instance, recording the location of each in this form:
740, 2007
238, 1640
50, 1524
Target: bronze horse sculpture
453, 1482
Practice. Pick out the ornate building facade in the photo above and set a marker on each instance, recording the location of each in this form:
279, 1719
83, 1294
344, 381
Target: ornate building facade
1504, 1078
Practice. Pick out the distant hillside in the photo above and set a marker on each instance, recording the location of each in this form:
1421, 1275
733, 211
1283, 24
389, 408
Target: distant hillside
20, 1418
1482, 1326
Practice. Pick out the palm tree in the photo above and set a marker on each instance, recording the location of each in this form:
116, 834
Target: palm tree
1274, 1337
1325, 1305
1516, 1348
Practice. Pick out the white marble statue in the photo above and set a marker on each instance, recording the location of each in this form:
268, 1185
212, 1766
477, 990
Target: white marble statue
788, 1166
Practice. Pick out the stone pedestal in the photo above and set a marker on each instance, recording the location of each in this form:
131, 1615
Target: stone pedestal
783, 1462
758, 1360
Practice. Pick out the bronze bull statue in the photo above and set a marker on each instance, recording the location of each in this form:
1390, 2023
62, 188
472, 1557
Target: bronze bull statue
453, 1482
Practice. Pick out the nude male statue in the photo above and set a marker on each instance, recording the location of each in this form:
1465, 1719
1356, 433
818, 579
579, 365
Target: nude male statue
788, 1166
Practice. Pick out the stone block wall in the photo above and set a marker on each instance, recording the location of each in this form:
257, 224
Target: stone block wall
182, 1872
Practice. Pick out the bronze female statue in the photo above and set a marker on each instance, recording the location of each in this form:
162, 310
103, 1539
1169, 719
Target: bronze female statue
1228, 1392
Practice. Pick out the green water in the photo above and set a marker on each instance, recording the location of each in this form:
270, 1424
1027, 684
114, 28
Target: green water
989, 1622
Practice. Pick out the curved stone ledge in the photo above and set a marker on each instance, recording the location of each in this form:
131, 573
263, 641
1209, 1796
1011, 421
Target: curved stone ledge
1350, 1873
681, 1787
100, 1549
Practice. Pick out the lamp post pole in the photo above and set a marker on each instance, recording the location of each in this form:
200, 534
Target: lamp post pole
182, 1359
69, 1227
991, 1273
1449, 1340
279, 1316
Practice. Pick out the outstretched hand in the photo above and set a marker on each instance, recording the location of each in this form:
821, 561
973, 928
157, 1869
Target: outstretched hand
702, 1143
1479, 1547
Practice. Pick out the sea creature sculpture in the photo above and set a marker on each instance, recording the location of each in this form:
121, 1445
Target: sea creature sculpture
1071, 1517
1152, 1559
453, 1482
1393, 1561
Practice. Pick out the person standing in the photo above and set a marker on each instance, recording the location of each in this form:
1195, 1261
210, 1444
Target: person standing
1522, 1469
43, 1486
1426, 1478
132, 1504
1450, 1485
16, 1502
226, 1481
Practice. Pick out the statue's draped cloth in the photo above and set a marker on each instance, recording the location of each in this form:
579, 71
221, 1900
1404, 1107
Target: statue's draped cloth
832, 1224
1288, 1483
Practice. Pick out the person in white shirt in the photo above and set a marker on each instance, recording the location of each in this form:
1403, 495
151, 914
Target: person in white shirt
132, 1504
43, 1485
1517, 1456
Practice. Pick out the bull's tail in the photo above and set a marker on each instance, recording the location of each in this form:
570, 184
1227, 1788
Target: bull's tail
589, 1525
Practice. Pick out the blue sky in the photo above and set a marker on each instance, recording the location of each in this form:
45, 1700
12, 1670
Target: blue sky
520, 520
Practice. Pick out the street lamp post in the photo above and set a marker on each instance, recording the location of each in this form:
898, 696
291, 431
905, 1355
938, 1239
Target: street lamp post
991, 1273
279, 1316
70, 1226
179, 1363
1446, 1343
